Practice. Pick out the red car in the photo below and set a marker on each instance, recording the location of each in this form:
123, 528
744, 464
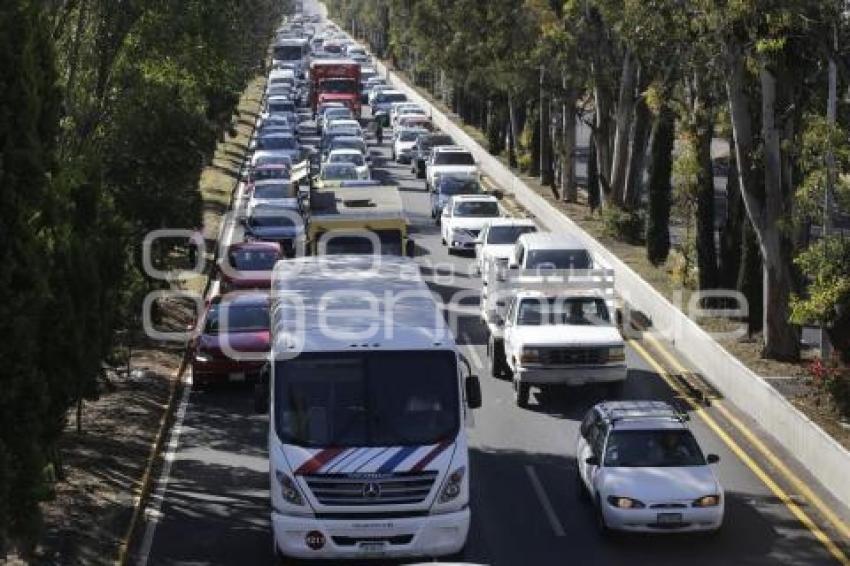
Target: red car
248, 265
232, 339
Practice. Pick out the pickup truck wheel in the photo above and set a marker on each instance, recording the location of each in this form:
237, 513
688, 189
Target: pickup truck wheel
522, 391
496, 353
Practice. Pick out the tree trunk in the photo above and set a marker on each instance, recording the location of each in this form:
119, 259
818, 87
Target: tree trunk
763, 200
637, 153
781, 337
569, 188
623, 128
750, 279
660, 189
545, 138
593, 188
602, 135
513, 140
705, 241
732, 232
534, 166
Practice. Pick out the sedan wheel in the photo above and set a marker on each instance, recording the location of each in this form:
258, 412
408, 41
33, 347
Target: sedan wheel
522, 392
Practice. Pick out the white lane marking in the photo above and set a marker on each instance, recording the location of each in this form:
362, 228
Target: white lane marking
544, 501
154, 510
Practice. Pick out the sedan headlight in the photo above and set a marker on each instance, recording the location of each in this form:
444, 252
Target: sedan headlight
203, 358
617, 354
625, 502
453, 485
530, 355
707, 501
288, 489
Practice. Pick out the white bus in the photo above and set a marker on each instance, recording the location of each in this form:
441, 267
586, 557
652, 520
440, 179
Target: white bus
294, 51
369, 399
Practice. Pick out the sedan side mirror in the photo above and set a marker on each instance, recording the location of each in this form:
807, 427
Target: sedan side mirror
712, 458
592, 461
473, 392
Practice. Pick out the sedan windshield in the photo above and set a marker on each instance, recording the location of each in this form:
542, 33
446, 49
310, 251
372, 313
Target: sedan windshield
477, 209
652, 449
253, 260
237, 318
264, 173
277, 143
339, 172
584, 311
409, 135
504, 235
353, 158
274, 191
367, 399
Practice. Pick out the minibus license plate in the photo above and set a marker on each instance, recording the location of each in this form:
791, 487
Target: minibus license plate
373, 548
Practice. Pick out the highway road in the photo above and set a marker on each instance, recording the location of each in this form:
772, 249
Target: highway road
214, 508
526, 507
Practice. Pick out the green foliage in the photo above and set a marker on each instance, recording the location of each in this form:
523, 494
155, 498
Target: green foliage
108, 112
624, 225
826, 264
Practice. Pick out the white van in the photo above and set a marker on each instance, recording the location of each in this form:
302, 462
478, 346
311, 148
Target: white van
369, 399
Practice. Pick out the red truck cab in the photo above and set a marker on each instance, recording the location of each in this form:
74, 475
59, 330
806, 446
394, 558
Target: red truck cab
335, 80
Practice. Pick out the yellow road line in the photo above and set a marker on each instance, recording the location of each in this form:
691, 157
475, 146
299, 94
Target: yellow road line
788, 475
745, 458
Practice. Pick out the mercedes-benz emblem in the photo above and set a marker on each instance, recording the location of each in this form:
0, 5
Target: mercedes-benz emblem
371, 490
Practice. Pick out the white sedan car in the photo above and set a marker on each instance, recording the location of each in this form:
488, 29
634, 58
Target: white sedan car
463, 219
353, 157
403, 141
273, 192
645, 472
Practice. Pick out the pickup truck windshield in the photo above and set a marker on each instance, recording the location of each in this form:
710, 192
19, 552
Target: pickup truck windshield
454, 158
584, 311
504, 235
477, 209
558, 259
652, 449
367, 399
458, 186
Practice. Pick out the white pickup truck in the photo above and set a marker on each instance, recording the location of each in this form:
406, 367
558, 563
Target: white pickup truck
552, 323
449, 159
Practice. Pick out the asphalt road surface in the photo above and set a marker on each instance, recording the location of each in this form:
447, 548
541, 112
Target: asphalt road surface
526, 507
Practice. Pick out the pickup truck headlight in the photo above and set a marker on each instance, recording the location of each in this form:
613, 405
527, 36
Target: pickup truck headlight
288, 489
617, 354
530, 355
453, 485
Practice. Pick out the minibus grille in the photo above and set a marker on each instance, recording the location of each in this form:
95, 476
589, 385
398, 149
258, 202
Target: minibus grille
394, 489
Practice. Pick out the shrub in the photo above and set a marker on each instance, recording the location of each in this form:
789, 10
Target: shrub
834, 380
624, 225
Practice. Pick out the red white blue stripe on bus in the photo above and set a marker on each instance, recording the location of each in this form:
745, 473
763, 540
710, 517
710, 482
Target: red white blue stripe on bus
382, 460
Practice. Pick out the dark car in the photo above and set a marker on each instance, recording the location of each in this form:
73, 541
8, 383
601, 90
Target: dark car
232, 339
422, 150
248, 265
279, 224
